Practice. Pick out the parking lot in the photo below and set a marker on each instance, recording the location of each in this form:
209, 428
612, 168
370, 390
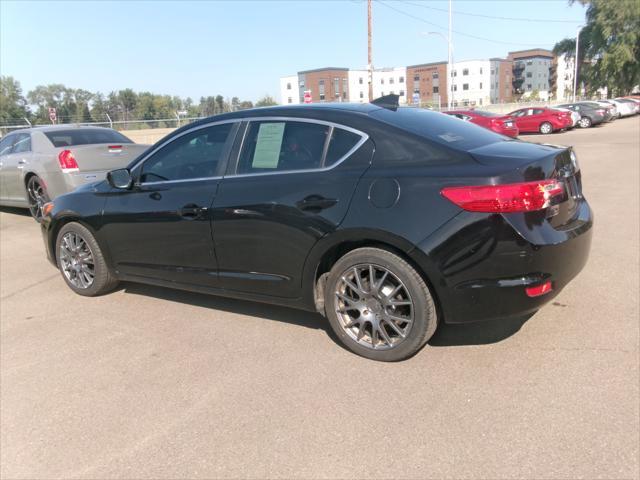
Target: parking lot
153, 383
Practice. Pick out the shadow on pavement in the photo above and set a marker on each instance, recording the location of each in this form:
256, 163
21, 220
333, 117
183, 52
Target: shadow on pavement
15, 211
481, 333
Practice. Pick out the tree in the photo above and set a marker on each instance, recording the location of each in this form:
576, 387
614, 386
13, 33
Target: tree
266, 101
13, 105
609, 46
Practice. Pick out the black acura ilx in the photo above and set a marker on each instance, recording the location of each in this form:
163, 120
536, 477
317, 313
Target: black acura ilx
386, 220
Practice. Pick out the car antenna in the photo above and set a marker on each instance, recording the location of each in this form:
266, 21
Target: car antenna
390, 102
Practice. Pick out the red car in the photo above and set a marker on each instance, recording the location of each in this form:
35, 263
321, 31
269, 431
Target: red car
540, 119
498, 123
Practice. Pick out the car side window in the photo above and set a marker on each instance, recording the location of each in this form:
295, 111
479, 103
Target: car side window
22, 143
6, 145
273, 146
341, 143
197, 154
537, 111
518, 113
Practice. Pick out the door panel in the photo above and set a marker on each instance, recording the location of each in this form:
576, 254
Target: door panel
161, 228
265, 224
13, 165
156, 231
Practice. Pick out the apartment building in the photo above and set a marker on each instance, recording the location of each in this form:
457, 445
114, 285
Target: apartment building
533, 70
390, 81
427, 84
564, 77
289, 93
329, 84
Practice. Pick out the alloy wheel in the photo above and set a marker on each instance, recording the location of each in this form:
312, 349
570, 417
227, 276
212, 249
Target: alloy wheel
374, 306
546, 128
37, 197
585, 122
76, 260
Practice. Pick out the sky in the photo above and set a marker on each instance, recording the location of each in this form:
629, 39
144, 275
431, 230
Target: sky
242, 48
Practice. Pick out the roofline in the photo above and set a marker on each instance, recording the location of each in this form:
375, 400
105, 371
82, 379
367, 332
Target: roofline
323, 69
444, 62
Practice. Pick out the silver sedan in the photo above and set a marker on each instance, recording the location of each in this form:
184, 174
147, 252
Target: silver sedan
38, 164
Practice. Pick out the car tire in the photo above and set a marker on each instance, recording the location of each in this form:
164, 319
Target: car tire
81, 261
389, 319
585, 122
37, 196
546, 128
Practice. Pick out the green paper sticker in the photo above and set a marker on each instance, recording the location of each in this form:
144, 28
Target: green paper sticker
268, 145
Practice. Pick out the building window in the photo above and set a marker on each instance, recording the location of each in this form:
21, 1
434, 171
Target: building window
360, 81
454, 73
528, 86
529, 62
336, 87
321, 89
382, 81
436, 89
465, 86
529, 74
288, 86
492, 71
480, 70
402, 93
345, 87
401, 80
289, 100
391, 81
416, 78
454, 88
416, 91
465, 71
435, 75
361, 95
480, 85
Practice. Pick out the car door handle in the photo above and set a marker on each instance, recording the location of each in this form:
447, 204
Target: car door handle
316, 203
192, 211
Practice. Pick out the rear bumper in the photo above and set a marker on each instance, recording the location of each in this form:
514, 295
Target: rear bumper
486, 265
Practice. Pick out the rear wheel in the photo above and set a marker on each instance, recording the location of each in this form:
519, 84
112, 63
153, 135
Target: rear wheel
37, 196
378, 305
81, 262
546, 128
585, 122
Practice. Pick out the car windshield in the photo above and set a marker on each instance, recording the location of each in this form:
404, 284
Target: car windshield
442, 129
85, 136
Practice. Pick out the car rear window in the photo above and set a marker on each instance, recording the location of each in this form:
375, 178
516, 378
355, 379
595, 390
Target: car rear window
85, 136
439, 128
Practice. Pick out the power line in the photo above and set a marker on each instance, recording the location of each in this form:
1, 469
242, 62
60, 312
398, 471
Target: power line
407, 14
516, 19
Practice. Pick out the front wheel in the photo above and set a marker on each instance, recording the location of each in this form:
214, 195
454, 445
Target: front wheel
585, 122
378, 305
37, 196
81, 261
546, 128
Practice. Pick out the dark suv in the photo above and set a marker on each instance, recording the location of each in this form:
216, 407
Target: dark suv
386, 220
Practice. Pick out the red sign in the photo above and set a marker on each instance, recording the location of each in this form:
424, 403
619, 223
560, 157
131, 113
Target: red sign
52, 114
307, 96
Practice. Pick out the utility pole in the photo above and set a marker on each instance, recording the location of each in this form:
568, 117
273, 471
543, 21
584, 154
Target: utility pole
575, 67
450, 64
370, 55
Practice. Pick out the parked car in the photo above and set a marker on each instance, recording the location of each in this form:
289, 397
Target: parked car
38, 164
540, 119
502, 124
387, 220
575, 116
589, 115
609, 109
634, 104
622, 109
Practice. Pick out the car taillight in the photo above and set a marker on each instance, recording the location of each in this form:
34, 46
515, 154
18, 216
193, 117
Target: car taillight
539, 290
514, 197
67, 161
600, 111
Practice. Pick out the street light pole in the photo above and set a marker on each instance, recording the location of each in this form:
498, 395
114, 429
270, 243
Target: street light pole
369, 53
449, 66
575, 66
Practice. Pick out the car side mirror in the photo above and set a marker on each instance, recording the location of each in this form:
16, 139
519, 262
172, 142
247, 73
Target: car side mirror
120, 178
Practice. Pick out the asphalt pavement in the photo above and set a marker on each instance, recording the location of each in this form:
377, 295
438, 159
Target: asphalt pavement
153, 383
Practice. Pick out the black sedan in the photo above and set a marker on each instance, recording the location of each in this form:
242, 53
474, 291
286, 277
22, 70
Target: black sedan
591, 113
386, 220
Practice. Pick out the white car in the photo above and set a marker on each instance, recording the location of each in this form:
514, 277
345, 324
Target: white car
633, 104
38, 164
575, 116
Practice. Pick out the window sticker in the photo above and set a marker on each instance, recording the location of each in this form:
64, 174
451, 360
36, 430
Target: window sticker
268, 145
